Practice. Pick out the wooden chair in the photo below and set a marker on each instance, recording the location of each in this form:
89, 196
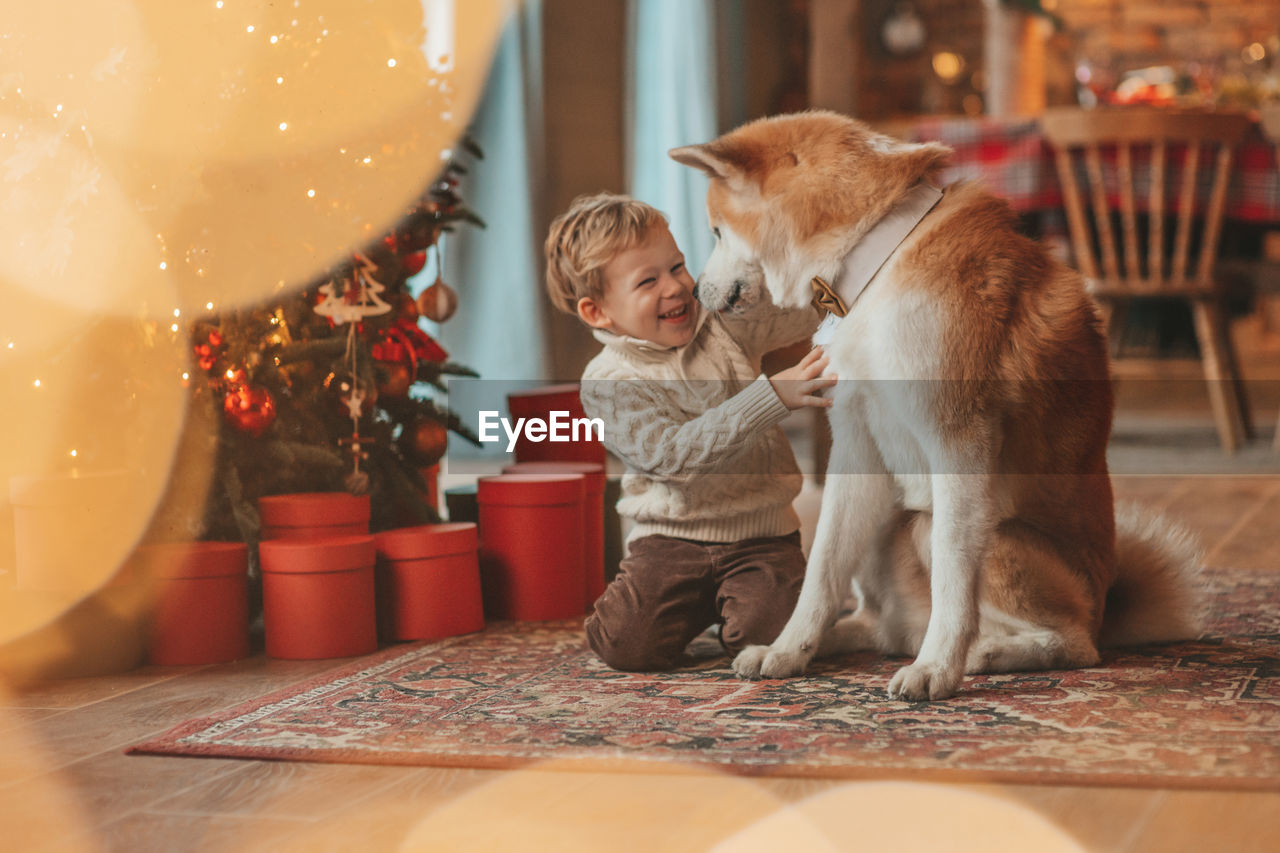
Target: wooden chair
1114, 265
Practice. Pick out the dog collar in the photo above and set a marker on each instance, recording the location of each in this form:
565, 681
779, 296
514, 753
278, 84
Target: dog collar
872, 252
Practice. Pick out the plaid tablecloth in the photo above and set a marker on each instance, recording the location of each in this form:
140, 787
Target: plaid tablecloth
1014, 161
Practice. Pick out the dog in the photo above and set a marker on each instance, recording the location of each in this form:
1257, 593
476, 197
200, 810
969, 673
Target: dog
967, 519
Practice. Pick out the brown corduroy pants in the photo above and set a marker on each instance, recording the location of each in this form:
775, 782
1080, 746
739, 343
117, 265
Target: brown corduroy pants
670, 590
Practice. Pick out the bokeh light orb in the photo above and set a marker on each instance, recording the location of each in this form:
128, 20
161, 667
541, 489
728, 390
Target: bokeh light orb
162, 160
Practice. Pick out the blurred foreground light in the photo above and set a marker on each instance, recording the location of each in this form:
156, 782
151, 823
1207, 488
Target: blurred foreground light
127, 123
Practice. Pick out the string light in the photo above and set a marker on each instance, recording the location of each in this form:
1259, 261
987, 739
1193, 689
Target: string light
163, 265
250, 28
284, 125
391, 63
177, 312
231, 374
279, 81
174, 327
36, 383
185, 376
311, 193
208, 306
275, 39
73, 451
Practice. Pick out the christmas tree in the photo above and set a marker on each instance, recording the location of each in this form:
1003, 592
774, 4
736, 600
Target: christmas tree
330, 388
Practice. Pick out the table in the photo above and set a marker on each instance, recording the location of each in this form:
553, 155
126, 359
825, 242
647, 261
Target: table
1012, 158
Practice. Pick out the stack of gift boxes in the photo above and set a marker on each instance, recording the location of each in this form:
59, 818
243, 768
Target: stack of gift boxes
527, 544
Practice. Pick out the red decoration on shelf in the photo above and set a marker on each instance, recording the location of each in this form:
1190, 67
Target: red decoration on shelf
250, 410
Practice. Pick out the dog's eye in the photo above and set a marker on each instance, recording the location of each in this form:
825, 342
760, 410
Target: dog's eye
716, 232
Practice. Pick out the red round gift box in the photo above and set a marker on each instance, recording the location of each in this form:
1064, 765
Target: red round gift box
592, 517
531, 546
540, 403
202, 601
429, 581
309, 515
318, 597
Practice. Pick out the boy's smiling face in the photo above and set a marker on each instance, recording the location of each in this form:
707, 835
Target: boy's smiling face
648, 293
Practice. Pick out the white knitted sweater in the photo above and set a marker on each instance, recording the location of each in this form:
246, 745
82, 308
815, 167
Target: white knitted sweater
698, 427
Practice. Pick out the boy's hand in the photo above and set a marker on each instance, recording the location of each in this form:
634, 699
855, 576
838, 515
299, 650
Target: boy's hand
797, 386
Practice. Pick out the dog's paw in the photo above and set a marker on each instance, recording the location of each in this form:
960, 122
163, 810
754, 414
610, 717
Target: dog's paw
767, 662
920, 681
748, 662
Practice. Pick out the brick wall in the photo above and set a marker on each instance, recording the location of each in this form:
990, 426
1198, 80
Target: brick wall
1141, 32
1118, 35
1203, 38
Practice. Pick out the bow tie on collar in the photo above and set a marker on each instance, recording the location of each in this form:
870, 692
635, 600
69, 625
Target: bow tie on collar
873, 251
826, 299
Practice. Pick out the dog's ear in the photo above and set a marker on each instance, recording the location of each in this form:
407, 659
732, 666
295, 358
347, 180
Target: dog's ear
922, 160
706, 158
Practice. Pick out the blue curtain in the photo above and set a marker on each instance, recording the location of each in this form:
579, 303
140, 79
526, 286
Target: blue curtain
671, 89
498, 329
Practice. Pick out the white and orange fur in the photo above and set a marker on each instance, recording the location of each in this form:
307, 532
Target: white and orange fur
969, 515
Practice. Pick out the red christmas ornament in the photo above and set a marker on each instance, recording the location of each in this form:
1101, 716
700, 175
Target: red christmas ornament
207, 353
250, 410
425, 441
413, 262
399, 379
438, 302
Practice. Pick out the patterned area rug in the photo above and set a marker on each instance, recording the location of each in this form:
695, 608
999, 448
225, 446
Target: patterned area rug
1200, 714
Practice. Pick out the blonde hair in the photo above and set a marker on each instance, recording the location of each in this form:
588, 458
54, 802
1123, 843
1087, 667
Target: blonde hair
585, 237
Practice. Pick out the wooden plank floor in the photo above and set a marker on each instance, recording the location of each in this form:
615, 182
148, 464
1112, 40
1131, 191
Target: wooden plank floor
65, 783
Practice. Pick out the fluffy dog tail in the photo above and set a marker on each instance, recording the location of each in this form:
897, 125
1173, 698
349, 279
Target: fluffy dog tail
1158, 596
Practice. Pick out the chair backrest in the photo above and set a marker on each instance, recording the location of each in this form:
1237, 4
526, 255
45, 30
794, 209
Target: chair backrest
1148, 132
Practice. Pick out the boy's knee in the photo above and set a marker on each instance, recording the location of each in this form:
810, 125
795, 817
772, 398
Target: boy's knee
622, 646
753, 627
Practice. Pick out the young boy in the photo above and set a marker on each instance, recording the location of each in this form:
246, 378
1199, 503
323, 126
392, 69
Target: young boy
710, 476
